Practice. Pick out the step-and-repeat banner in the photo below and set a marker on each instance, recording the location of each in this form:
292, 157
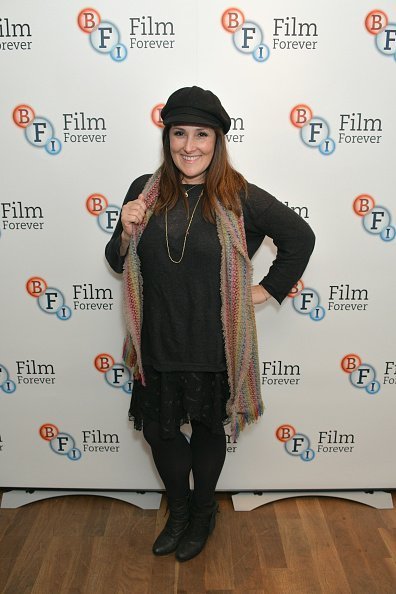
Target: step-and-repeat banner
310, 87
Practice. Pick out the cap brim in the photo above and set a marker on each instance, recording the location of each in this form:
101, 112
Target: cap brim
192, 119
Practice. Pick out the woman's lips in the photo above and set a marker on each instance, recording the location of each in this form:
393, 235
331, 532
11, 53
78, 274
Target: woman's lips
190, 159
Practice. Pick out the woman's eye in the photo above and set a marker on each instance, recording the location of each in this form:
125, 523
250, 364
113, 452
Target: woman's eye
178, 133
203, 134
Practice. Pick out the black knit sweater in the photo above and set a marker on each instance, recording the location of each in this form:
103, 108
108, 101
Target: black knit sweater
181, 306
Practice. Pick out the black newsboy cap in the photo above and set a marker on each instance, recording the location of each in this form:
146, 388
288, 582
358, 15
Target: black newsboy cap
193, 105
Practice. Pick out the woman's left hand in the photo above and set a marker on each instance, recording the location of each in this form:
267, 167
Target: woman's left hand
259, 294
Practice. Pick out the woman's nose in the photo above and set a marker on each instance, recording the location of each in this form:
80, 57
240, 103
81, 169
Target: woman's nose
189, 147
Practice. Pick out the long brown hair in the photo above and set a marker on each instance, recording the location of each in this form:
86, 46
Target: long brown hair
222, 181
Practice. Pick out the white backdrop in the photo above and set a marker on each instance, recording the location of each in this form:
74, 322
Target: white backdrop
63, 422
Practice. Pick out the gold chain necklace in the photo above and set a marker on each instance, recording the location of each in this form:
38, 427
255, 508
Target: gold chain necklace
189, 190
185, 237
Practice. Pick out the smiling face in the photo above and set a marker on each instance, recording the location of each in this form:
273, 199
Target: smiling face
192, 149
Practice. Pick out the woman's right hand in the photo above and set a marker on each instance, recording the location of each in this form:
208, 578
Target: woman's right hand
132, 213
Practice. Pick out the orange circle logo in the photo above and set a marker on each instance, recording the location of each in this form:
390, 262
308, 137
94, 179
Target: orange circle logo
36, 286
300, 115
376, 21
103, 362
350, 362
96, 204
23, 115
285, 432
88, 20
48, 431
363, 204
232, 19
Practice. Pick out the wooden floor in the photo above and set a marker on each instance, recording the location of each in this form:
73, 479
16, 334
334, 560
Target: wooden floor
92, 545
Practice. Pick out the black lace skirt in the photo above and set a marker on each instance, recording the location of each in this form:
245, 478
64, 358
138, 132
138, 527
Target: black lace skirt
173, 398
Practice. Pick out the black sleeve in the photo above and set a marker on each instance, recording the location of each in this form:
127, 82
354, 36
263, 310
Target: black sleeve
291, 234
112, 249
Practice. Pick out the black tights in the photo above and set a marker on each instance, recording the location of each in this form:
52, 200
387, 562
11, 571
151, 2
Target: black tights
175, 458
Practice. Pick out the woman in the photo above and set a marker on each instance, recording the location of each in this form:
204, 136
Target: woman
187, 234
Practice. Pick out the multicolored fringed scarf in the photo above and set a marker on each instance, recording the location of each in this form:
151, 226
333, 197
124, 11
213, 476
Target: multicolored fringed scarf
237, 313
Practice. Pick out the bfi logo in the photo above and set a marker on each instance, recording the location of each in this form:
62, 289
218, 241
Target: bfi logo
247, 35
288, 34
306, 301
104, 36
314, 131
106, 214
376, 219
60, 443
39, 132
361, 375
50, 300
296, 444
115, 374
377, 24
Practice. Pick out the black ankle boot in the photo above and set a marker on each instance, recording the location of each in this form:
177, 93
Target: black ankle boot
202, 523
179, 516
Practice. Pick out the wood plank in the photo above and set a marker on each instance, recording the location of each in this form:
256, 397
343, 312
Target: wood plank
245, 558
388, 516
249, 591
391, 568
38, 526
134, 570
81, 515
13, 539
324, 553
301, 569
295, 542
164, 574
65, 566
243, 591
295, 581
288, 509
268, 537
219, 569
367, 522
107, 561
346, 541
388, 535
7, 517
